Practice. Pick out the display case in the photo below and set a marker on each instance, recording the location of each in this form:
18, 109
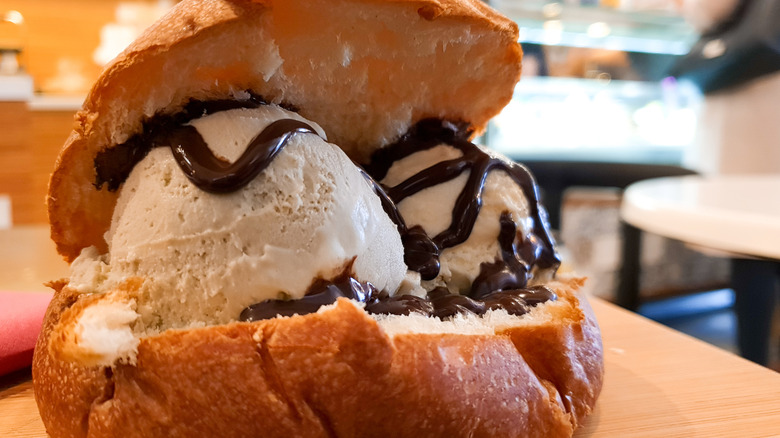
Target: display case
596, 120
595, 84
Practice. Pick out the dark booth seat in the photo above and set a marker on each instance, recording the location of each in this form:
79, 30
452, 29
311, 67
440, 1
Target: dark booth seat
555, 177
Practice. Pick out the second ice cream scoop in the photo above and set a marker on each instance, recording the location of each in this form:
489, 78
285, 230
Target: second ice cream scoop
474, 214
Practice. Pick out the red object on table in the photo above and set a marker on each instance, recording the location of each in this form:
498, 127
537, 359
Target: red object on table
21, 317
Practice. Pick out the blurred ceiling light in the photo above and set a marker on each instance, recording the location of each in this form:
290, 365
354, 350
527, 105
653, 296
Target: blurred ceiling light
604, 78
553, 32
551, 10
553, 26
599, 29
714, 48
14, 17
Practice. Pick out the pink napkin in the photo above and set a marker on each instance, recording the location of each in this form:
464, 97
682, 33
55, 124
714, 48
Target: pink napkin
21, 316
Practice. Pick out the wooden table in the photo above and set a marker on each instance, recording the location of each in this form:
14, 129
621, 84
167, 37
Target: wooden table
659, 383
738, 214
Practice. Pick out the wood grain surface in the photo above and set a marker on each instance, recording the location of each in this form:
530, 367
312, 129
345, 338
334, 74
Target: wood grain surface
662, 383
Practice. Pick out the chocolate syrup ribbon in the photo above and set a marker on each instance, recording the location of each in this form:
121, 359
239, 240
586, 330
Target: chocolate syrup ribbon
214, 175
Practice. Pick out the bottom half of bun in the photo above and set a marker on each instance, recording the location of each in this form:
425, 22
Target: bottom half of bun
333, 373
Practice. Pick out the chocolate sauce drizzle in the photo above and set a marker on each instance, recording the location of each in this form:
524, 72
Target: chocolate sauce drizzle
501, 284
422, 251
439, 303
113, 165
214, 175
324, 292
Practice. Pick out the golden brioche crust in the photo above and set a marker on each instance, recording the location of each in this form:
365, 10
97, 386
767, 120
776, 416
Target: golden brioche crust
461, 61
332, 373
335, 372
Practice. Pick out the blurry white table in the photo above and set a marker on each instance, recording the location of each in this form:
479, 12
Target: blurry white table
739, 214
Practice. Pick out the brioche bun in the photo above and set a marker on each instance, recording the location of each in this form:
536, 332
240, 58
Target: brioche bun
362, 69
366, 71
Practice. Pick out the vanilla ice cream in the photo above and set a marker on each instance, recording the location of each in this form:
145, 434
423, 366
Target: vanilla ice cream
204, 257
433, 208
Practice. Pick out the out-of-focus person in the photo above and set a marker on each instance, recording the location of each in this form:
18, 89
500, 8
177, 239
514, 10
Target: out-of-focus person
736, 63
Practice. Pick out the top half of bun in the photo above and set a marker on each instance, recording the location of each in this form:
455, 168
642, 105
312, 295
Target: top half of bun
365, 70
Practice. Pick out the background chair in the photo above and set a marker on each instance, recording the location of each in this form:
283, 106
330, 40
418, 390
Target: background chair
555, 177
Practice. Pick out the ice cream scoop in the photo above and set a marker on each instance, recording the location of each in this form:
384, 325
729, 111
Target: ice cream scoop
309, 215
473, 214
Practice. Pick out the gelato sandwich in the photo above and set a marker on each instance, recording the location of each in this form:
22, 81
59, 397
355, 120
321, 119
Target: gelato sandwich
278, 225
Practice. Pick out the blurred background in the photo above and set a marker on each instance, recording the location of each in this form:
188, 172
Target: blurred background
613, 91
